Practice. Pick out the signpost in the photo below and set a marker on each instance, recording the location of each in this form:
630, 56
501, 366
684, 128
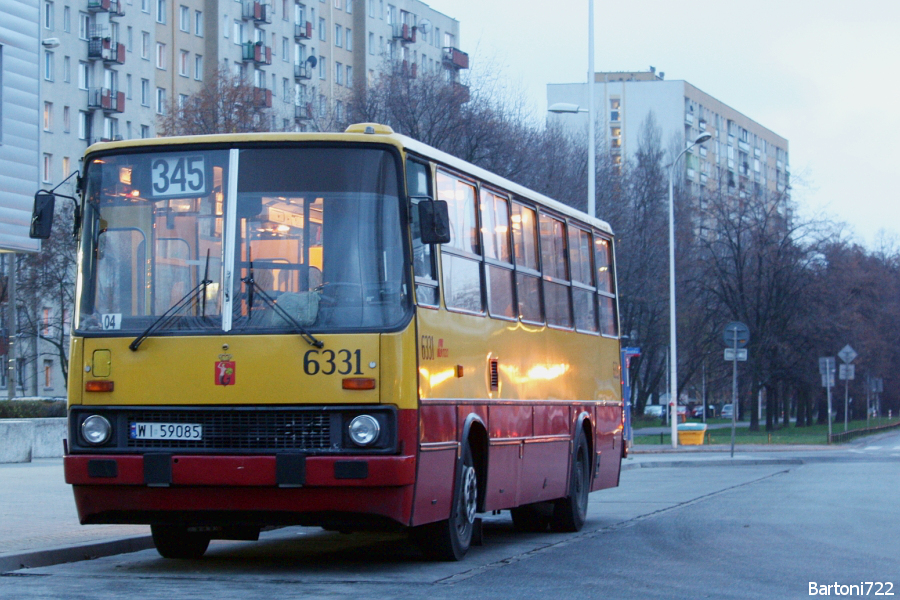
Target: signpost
847, 355
736, 335
826, 369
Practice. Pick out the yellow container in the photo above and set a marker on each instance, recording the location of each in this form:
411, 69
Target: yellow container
691, 434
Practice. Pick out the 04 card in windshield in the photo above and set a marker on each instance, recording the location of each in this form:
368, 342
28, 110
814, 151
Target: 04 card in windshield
166, 431
178, 175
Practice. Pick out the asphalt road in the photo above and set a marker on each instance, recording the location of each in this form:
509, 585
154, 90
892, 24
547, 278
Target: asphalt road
716, 531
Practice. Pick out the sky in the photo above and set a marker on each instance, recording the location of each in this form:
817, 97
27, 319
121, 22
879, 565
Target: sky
824, 74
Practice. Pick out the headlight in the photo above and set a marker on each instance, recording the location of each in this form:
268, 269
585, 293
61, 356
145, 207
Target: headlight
364, 430
96, 430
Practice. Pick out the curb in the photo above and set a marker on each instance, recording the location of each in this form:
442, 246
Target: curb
67, 554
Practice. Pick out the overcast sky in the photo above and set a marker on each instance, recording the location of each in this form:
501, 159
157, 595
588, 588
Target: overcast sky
825, 74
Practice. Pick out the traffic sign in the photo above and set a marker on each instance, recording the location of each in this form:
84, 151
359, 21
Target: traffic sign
847, 354
742, 331
847, 372
828, 380
740, 356
826, 365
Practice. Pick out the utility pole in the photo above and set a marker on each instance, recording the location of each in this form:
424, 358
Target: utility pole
11, 326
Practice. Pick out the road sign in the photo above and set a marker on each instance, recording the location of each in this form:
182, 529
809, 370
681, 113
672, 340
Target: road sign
847, 354
828, 380
847, 372
743, 334
741, 354
826, 365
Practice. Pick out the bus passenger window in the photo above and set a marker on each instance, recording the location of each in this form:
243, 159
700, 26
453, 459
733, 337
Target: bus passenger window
498, 255
461, 258
606, 292
528, 275
582, 280
556, 279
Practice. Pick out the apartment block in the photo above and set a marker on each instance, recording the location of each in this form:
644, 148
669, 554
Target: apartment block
743, 157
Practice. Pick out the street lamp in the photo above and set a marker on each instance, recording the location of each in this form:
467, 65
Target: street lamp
563, 107
673, 356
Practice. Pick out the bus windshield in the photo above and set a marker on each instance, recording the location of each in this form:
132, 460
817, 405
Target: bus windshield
249, 240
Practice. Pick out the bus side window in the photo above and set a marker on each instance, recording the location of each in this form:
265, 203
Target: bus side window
498, 270
417, 183
583, 290
555, 271
528, 266
606, 291
461, 258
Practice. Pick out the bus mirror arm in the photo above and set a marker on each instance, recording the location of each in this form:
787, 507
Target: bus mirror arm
434, 221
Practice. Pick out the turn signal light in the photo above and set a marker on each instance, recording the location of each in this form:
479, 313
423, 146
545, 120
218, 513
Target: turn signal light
98, 386
358, 383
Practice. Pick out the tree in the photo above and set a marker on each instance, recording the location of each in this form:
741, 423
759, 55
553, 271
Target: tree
226, 103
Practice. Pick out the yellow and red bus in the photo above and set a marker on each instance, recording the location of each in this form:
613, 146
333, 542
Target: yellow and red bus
348, 330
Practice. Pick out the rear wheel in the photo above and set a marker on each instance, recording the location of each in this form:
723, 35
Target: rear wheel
450, 539
569, 513
175, 541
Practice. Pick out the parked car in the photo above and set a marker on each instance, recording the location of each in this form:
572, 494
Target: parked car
727, 411
653, 410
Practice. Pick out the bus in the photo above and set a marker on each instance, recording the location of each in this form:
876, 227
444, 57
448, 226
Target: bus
347, 330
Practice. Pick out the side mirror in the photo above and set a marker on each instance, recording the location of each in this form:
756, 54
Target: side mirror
434, 221
42, 216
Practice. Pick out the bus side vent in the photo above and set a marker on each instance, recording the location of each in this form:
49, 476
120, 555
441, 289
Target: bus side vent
494, 375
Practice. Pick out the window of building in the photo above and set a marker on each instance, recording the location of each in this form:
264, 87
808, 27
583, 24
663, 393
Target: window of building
348, 6
348, 39
145, 6
84, 125
198, 67
84, 75
67, 19
322, 31
339, 73
161, 11
184, 18
614, 107
46, 171
48, 15
48, 374
198, 23
160, 55
67, 69
285, 49
145, 131
323, 69
145, 92
338, 36
48, 116
48, 66
349, 76
183, 58
160, 101
66, 122
461, 257
240, 31
128, 86
371, 43
66, 166
528, 274
145, 45
84, 25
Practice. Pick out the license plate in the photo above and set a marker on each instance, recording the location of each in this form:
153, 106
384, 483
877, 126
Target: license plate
166, 431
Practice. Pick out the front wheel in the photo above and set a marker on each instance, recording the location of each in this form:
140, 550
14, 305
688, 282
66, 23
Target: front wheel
569, 513
450, 539
175, 541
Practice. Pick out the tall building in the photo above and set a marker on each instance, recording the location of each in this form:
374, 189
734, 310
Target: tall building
742, 158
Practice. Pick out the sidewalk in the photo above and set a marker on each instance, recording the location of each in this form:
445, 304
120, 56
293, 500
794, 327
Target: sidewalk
39, 523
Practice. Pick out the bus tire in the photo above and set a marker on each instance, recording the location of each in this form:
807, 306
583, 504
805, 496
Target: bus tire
175, 541
449, 540
569, 513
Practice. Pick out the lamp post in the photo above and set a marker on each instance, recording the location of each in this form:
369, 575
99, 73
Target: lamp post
563, 107
673, 356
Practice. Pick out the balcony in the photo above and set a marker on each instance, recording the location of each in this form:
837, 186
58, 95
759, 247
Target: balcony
303, 111
257, 52
303, 71
258, 12
689, 118
262, 98
303, 31
107, 100
455, 58
106, 50
404, 33
410, 70
113, 7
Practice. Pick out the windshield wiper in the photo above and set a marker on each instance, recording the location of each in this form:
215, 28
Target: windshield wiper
251, 285
166, 317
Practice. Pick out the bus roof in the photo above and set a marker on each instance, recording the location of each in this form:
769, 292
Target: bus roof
382, 135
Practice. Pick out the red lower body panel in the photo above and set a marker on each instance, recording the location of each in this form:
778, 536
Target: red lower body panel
231, 486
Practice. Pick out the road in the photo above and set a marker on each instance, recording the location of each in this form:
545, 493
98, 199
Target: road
763, 529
